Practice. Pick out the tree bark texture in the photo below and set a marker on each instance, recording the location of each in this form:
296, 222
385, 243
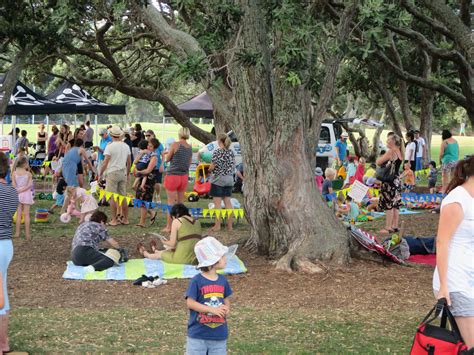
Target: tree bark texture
426, 108
288, 218
11, 78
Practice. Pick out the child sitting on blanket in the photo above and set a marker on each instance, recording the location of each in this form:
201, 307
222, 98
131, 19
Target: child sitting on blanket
349, 211
207, 299
351, 171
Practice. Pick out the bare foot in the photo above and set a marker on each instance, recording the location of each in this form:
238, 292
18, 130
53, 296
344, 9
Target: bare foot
230, 228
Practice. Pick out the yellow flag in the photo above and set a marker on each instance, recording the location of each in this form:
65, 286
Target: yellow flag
120, 199
101, 194
129, 199
236, 213
218, 213
241, 213
205, 212
211, 213
108, 195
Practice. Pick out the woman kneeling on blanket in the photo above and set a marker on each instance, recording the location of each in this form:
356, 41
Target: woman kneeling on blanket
85, 245
185, 233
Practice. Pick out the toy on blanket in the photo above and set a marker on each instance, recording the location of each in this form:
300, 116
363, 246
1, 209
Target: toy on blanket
41, 216
80, 204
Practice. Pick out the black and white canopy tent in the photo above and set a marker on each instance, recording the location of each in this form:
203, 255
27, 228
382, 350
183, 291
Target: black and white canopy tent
25, 101
73, 94
199, 106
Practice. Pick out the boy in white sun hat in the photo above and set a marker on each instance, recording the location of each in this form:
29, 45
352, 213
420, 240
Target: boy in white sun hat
207, 298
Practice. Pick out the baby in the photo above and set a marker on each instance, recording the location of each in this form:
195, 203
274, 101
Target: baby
349, 211
432, 177
141, 163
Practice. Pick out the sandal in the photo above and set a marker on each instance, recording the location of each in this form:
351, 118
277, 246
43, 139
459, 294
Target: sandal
152, 220
139, 225
395, 230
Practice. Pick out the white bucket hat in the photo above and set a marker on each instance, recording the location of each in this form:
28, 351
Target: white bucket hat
209, 251
113, 254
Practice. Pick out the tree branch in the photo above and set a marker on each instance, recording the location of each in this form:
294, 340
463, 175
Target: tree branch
428, 84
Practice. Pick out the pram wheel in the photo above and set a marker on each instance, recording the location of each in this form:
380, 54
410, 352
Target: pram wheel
193, 198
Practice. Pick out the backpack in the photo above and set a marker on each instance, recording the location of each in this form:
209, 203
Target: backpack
401, 249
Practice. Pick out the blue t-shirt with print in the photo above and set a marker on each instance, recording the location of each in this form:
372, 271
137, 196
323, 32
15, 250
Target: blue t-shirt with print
342, 149
211, 293
158, 152
102, 145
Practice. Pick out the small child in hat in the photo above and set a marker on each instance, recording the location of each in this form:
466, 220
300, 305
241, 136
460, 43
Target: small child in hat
207, 298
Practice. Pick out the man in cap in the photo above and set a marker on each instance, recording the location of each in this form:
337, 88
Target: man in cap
341, 148
116, 166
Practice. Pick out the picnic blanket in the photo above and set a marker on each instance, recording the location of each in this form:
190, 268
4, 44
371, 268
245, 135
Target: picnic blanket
429, 259
403, 211
135, 268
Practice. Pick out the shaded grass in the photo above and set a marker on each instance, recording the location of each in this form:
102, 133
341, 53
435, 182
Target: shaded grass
251, 331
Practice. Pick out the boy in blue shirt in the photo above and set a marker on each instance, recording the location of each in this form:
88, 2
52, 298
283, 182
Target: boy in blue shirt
207, 298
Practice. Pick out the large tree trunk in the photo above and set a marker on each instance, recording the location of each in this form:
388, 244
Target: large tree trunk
288, 218
376, 140
11, 77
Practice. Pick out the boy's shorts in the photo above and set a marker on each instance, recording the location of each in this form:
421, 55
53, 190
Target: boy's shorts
59, 200
176, 183
408, 187
201, 346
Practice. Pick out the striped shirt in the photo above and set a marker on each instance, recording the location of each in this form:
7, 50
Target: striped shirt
9, 203
180, 161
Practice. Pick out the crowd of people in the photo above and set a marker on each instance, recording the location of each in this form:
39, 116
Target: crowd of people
109, 164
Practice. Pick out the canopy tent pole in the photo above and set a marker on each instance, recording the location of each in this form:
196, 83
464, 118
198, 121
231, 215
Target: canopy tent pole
96, 130
75, 121
47, 124
13, 132
163, 131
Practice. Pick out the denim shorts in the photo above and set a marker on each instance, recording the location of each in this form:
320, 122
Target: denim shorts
59, 200
202, 347
220, 191
461, 305
6, 255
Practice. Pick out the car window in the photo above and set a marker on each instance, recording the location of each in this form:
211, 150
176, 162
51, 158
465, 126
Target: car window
324, 136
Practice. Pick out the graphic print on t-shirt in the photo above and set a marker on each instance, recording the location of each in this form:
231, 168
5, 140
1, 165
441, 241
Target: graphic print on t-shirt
213, 296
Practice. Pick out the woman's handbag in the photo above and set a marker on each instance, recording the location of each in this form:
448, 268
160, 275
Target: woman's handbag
386, 173
432, 339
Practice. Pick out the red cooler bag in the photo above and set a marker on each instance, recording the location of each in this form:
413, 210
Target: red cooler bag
436, 340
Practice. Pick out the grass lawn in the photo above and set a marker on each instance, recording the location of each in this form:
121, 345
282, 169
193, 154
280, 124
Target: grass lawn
251, 331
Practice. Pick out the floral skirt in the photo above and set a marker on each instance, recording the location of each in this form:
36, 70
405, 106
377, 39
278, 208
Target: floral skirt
147, 193
390, 195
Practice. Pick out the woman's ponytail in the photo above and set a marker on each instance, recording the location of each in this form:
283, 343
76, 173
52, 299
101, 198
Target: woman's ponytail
464, 169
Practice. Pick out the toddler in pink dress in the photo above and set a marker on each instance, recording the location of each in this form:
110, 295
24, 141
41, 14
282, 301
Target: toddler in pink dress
22, 180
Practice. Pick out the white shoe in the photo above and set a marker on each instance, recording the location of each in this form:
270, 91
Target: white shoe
89, 268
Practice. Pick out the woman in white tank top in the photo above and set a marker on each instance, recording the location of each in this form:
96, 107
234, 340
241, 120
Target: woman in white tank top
453, 277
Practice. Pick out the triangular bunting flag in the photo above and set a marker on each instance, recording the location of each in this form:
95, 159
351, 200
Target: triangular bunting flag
218, 213
120, 199
241, 213
205, 212
236, 213
212, 212
101, 194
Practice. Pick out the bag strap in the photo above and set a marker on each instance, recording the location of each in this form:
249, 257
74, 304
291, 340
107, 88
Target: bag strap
442, 308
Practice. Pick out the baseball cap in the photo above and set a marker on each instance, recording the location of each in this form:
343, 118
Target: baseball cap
344, 135
209, 251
